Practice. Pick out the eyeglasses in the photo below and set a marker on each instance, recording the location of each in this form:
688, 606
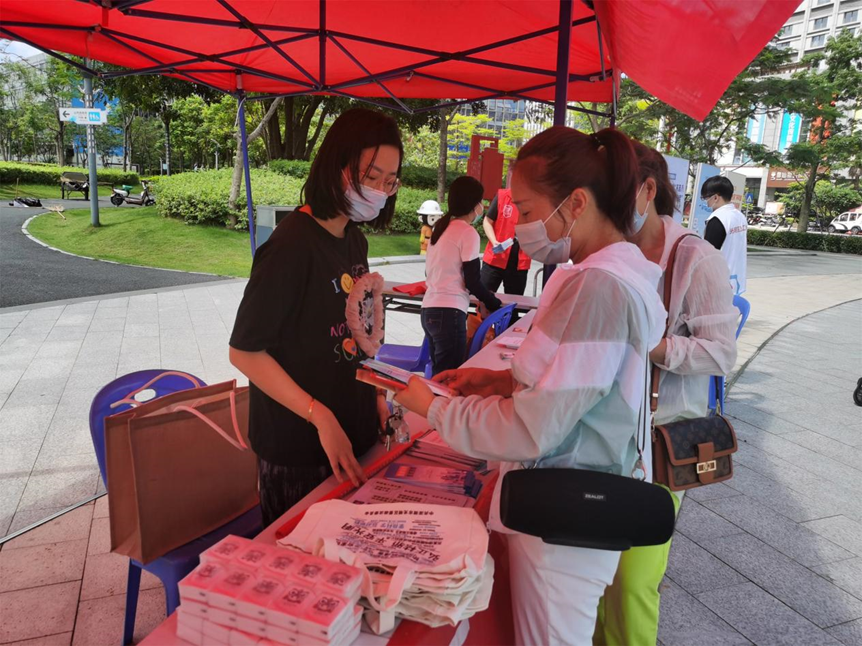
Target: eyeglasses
389, 186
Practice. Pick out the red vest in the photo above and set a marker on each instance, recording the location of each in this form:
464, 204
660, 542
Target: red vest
504, 228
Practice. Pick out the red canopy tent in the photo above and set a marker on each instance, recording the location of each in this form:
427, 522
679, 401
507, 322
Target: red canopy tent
685, 52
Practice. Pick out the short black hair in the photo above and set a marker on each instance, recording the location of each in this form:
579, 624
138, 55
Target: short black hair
717, 185
350, 134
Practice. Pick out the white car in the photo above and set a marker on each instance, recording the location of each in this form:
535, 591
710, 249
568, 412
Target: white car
847, 222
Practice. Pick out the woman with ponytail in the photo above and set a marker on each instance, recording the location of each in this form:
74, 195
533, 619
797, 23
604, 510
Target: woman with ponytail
453, 273
701, 342
574, 397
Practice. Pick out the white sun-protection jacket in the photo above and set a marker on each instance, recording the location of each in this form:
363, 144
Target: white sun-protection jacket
702, 335
579, 375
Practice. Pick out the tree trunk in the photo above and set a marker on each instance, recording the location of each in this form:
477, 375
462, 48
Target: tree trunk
274, 145
236, 178
61, 153
167, 123
807, 196
312, 142
302, 125
441, 159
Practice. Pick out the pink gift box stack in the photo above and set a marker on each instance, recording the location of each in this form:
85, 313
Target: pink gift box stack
244, 593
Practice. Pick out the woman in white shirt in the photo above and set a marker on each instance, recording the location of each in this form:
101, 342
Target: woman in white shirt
452, 273
701, 342
574, 397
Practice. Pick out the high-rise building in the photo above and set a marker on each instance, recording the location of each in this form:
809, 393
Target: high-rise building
814, 21
806, 32
501, 112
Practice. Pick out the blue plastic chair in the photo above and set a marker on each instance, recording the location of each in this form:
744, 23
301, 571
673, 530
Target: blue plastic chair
407, 357
176, 564
499, 320
716, 384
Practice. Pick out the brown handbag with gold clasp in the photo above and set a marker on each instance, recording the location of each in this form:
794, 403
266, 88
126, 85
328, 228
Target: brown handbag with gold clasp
691, 452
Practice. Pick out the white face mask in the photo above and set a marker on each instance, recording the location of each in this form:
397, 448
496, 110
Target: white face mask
534, 241
479, 215
366, 206
639, 219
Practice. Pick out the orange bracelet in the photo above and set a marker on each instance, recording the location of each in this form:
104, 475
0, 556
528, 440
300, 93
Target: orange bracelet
310, 410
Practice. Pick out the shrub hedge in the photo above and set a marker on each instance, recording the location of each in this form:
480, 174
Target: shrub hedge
202, 197
838, 243
10, 172
425, 178
411, 176
290, 167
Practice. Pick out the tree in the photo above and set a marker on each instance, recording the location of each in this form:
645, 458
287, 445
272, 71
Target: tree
515, 134
109, 137
827, 87
290, 135
831, 200
38, 96
756, 90
462, 129
155, 95
422, 148
146, 137
190, 129
255, 134
445, 116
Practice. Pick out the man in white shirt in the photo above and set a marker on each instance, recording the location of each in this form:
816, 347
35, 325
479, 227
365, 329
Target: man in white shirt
727, 229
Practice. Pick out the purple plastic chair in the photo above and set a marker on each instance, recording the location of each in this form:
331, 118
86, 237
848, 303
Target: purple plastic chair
407, 357
176, 564
499, 320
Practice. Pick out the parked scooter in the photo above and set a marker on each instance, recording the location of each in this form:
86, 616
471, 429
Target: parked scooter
121, 195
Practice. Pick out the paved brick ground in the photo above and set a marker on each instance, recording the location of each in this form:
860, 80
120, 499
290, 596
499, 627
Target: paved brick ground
773, 557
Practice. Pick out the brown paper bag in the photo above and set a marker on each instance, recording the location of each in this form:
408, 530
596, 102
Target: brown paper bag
178, 467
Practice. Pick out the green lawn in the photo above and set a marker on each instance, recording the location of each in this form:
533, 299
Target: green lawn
140, 236
7, 191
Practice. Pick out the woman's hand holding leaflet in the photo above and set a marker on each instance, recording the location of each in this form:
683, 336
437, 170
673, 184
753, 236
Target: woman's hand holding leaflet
478, 381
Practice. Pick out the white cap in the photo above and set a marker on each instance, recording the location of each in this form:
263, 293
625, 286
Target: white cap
429, 207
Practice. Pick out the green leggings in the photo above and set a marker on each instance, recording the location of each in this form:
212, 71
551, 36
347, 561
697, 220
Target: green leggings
628, 613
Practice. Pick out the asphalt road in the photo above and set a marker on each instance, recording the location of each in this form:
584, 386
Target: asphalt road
30, 273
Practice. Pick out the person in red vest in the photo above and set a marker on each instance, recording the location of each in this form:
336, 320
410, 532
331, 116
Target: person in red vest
503, 262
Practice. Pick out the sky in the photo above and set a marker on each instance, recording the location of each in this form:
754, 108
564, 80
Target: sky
15, 49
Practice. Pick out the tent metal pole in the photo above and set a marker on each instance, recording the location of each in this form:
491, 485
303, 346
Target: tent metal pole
169, 67
322, 37
561, 94
244, 145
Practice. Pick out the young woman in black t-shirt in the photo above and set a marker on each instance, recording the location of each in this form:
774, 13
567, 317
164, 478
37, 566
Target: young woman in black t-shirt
308, 416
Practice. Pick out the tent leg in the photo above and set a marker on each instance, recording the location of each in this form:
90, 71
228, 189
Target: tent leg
561, 91
248, 201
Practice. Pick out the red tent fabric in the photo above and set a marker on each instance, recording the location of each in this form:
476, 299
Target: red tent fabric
685, 52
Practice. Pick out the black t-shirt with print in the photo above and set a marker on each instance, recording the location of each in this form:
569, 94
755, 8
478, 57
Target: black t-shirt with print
294, 309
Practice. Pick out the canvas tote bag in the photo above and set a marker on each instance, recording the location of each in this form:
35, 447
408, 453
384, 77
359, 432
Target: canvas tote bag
178, 467
400, 546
